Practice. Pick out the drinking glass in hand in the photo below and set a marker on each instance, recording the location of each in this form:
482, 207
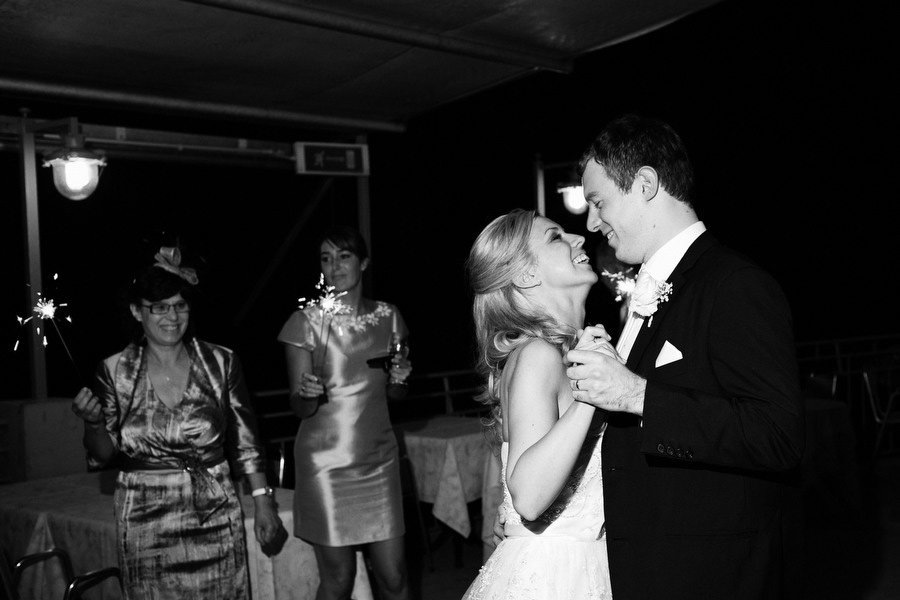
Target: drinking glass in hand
399, 347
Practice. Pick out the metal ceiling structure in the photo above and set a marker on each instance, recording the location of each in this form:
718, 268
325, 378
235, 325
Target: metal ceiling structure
352, 65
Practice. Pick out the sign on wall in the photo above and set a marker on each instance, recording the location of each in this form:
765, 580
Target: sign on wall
331, 159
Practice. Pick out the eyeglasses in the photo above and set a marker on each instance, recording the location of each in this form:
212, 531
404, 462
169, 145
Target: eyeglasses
162, 308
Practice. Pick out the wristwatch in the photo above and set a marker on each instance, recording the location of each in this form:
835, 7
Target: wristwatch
263, 491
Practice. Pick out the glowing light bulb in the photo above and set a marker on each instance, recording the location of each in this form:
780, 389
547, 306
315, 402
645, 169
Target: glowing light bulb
573, 199
78, 173
75, 177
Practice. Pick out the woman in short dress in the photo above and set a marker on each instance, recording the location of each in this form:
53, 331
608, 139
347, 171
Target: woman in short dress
347, 481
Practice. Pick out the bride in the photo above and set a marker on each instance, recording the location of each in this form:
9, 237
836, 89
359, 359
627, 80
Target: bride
530, 280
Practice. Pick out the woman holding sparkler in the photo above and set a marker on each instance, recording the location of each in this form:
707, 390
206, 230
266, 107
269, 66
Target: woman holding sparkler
175, 412
347, 477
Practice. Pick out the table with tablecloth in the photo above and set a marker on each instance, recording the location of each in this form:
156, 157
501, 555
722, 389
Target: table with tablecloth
75, 513
450, 456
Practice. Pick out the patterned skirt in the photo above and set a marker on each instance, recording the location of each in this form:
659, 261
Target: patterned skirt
172, 545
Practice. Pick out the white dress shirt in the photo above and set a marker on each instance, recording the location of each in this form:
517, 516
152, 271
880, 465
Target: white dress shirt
660, 267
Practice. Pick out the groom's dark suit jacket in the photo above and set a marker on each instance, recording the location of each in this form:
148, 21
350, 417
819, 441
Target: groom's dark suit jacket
698, 494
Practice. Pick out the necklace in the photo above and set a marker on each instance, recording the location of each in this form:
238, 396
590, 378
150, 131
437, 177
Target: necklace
170, 379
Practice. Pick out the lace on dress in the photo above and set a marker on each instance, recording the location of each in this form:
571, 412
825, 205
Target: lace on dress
561, 554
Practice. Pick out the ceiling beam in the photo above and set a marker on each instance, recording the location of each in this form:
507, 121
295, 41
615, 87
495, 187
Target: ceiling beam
147, 144
303, 15
214, 109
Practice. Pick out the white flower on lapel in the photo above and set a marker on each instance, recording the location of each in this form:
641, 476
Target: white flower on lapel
647, 294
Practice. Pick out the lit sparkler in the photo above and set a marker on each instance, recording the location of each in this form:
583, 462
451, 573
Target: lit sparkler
327, 301
330, 305
46, 309
624, 283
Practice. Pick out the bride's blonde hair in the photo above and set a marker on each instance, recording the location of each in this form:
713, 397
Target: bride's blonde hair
504, 321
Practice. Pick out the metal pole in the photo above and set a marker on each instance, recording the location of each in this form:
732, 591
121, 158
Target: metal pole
364, 218
285, 247
540, 200
38, 365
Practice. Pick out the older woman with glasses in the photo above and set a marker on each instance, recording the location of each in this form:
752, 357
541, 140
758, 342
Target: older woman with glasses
174, 412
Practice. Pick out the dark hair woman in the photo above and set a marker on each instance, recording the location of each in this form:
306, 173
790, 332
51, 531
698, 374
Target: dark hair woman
346, 461
174, 410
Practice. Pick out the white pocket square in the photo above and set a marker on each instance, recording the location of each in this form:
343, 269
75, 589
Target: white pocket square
668, 354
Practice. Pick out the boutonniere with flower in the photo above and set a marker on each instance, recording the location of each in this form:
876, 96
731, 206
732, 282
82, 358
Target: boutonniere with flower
624, 282
647, 295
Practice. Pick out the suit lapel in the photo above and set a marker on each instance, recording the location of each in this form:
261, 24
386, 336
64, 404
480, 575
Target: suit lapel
678, 278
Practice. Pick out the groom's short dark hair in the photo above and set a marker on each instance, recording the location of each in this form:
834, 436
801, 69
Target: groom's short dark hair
630, 142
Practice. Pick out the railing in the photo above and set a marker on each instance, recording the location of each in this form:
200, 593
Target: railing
848, 356
453, 392
447, 392
430, 394
844, 360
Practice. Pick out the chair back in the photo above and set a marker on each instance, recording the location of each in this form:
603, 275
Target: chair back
82, 583
820, 386
75, 584
868, 375
881, 385
12, 574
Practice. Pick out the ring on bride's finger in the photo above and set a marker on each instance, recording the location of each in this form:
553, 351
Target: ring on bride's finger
578, 384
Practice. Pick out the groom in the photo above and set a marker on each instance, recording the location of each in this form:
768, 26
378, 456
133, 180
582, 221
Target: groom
705, 426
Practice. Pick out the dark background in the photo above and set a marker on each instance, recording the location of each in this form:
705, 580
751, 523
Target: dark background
786, 108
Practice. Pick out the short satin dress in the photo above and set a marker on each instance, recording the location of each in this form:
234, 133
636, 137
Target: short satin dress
347, 478
180, 533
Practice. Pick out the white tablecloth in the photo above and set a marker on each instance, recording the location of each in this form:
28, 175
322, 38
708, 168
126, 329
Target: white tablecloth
73, 512
449, 455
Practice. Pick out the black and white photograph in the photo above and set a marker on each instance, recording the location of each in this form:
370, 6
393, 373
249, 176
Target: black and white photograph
449, 301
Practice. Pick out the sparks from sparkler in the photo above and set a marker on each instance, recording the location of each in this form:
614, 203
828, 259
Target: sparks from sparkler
328, 302
624, 282
45, 309
330, 305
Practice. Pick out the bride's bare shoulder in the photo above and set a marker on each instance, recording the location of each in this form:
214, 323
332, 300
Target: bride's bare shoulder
536, 358
537, 352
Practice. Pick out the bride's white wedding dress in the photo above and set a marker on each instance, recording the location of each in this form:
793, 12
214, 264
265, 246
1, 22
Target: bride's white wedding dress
561, 555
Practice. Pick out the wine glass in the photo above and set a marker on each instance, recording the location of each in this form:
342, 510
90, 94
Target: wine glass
399, 347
